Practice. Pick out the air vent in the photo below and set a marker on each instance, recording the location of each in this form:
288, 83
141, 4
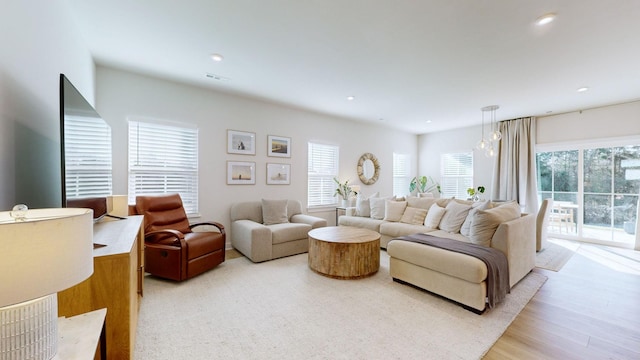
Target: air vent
217, 77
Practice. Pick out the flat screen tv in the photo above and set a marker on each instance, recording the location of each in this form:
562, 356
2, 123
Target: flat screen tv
85, 144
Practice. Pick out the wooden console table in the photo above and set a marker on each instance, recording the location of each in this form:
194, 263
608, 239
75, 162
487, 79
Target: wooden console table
116, 283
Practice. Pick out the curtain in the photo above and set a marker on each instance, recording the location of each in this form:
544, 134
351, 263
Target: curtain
514, 176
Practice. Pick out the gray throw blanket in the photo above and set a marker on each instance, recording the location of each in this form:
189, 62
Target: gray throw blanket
496, 261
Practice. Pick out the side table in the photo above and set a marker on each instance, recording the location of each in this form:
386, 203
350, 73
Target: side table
79, 335
338, 210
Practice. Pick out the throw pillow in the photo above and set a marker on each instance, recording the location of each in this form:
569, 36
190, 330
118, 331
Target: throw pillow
363, 207
454, 217
485, 222
377, 207
434, 215
274, 212
478, 205
422, 203
414, 216
393, 210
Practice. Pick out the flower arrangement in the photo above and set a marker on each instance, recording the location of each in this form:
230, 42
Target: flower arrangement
344, 189
423, 184
479, 190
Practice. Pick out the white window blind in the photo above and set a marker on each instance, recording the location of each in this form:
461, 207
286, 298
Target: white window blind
87, 153
163, 159
456, 174
322, 168
401, 171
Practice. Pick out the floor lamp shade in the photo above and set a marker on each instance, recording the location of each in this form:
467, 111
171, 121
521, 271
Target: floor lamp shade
47, 251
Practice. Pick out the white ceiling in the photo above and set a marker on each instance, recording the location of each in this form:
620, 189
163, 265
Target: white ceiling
405, 61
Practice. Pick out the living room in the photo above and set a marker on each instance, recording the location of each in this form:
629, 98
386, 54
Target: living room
41, 41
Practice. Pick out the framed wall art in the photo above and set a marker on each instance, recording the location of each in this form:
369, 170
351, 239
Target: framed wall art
278, 146
241, 173
278, 174
241, 142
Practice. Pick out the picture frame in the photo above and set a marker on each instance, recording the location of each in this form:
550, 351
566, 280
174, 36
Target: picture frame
278, 174
241, 142
278, 146
241, 173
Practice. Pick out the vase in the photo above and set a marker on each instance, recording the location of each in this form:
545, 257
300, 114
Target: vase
476, 198
345, 203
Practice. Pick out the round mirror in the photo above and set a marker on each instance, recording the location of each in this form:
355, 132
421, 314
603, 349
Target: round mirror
368, 169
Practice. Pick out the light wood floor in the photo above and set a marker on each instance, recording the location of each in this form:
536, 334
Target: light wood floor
590, 309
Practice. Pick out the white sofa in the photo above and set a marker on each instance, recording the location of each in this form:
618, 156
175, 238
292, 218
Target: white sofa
461, 278
270, 229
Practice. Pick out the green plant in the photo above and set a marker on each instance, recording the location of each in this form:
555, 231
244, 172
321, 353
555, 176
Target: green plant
423, 184
471, 191
344, 189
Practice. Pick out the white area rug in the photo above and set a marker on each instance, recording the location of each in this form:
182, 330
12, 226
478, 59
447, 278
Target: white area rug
556, 254
282, 310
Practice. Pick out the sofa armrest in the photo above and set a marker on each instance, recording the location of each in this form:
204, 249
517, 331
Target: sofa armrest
350, 211
314, 221
517, 240
252, 239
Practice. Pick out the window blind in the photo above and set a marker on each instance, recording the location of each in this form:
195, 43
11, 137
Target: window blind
401, 171
87, 152
322, 168
456, 174
163, 159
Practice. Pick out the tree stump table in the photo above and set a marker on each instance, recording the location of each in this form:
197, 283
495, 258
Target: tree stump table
344, 252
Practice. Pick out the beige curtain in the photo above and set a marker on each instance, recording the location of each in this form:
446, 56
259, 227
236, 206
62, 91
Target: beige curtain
514, 176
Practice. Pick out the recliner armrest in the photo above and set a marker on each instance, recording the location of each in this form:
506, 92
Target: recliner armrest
314, 221
212, 223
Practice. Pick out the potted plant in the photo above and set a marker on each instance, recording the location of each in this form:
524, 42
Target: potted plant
344, 190
474, 193
423, 184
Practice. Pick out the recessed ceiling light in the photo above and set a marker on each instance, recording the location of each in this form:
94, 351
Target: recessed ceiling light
217, 57
545, 19
428, 121
582, 89
351, 98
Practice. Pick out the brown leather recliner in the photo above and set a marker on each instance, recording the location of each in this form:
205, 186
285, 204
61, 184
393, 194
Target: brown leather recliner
172, 250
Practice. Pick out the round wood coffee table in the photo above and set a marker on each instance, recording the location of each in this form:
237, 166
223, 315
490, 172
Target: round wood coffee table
344, 252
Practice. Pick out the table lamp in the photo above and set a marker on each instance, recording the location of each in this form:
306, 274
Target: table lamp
42, 252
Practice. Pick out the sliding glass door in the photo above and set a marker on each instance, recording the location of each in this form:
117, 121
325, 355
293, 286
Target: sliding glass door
595, 188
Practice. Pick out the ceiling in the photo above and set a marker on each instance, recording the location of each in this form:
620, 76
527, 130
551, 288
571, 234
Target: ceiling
418, 66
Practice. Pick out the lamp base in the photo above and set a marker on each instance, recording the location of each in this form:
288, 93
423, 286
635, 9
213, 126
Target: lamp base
29, 330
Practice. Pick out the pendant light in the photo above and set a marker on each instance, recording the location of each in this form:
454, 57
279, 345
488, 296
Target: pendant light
495, 133
483, 144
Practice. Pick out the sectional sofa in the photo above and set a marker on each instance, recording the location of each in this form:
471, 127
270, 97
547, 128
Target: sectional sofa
461, 278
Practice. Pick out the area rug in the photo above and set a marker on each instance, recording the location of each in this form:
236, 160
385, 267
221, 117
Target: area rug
557, 253
280, 309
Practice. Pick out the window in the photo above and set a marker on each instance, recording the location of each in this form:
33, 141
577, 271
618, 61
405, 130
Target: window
598, 185
456, 174
322, 168
163, 159
87, 153
401, 171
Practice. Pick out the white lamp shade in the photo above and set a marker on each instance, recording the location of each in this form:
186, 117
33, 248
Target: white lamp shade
50, 251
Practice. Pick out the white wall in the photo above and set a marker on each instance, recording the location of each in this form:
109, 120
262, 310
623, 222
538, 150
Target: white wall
605, 122
39, 41
432, 146
122, 94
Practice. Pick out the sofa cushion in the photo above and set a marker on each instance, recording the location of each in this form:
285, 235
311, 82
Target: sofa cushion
414, 215
393, 210
361, 222
454, 217
281, 233
485, 222
478, 205
377, 206
434, 215
396, 229
274, 212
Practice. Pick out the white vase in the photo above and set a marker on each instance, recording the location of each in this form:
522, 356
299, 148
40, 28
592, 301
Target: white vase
345, 203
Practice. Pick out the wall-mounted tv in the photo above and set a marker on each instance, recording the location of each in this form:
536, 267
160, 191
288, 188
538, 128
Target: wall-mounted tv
85, 142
